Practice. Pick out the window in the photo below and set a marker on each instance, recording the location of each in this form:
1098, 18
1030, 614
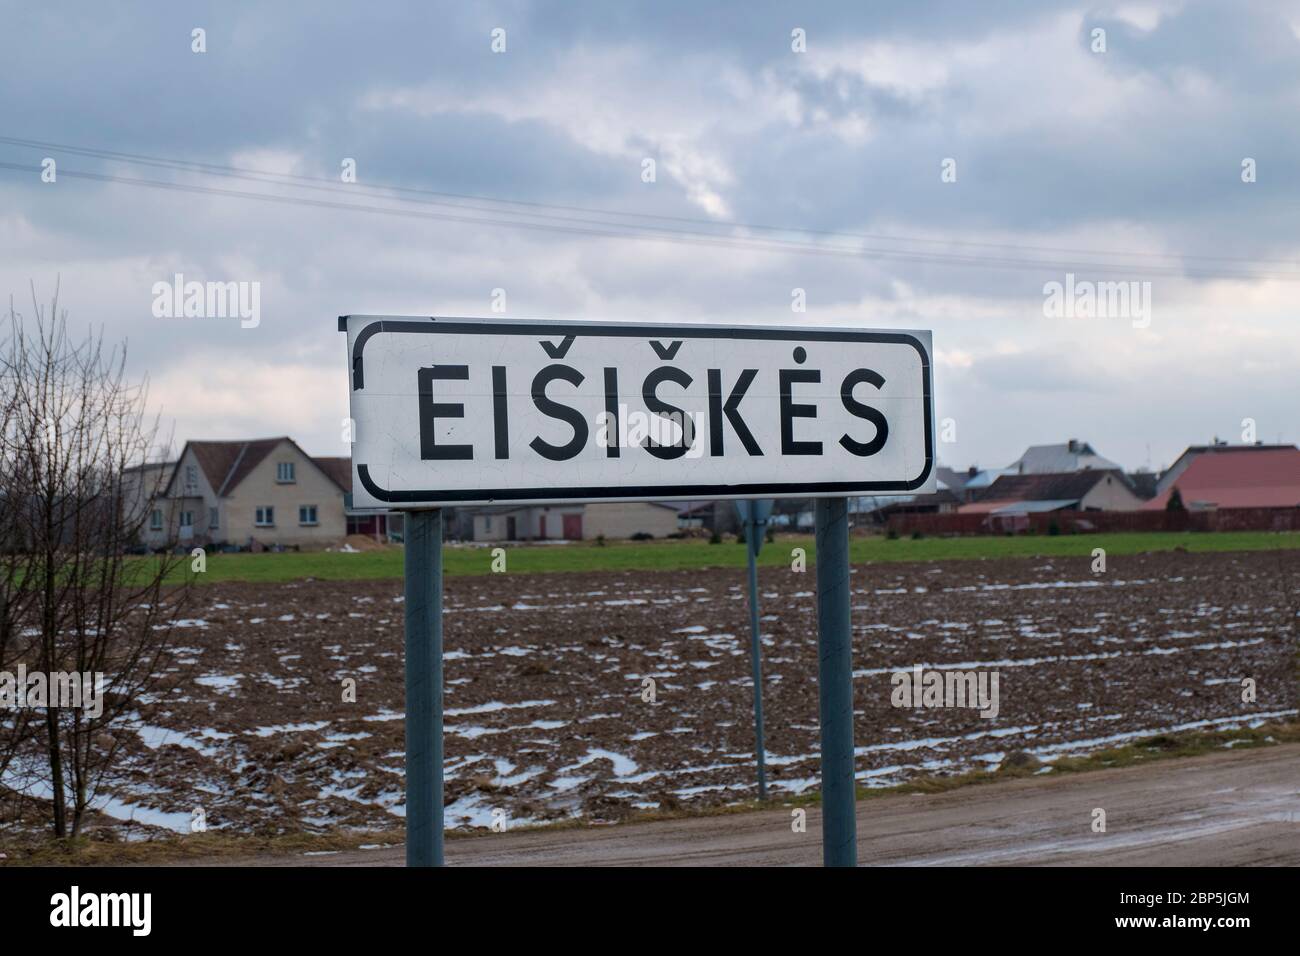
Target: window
284, 472
487, 523
214, 518
187, 519
191, 477
306, 514
155, 520
265, 517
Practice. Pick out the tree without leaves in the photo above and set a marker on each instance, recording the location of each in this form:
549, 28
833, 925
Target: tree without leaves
73, 502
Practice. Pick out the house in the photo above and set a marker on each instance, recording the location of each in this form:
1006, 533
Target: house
695, 515
142, 501
956, 481
527, 522
623, 519
942, 501
978, 481
267, 491
1074, 455
716, 516
380, 525
608, 519
1089, 490
1232, 476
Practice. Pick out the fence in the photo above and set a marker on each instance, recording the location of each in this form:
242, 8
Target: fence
1082, 522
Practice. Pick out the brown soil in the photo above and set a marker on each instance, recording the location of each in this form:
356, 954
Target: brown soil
544, 678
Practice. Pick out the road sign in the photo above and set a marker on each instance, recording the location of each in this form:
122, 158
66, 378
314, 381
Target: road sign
470, 411
451, 411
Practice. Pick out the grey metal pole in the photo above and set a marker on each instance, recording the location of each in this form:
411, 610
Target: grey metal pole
423, 568
835, 684
755, 653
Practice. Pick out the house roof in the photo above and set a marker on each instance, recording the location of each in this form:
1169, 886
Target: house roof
148, 466
1242, 477
1069, 486
1143, 482
981, 507
1035, 507
919, 502
1073, 455
226, 463
1003, 507
338, 469
984, 478
956, 480
1171, 474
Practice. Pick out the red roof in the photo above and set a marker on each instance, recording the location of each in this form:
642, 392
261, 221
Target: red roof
1239, 478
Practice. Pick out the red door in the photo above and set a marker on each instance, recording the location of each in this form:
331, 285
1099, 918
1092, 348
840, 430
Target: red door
541, 526
573, 527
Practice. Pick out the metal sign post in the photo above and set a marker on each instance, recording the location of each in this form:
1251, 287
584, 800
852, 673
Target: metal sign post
471, 411
835, 684
753, 516
423, 570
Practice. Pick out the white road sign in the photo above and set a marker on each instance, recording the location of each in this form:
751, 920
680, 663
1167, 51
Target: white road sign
470, 411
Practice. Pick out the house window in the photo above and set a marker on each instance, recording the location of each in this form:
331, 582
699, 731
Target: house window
214, 518
155, 520
284, 472
265, 517
307, 514
487, 523
187, 519
191, 477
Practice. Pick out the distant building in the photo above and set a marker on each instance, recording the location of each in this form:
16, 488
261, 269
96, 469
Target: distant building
623, 519
263, 492
1073, 455
978, 481
380, 525
942, 501
1144, 483
142, 491
1088, 490
694, 515
1233, 476
608, 519
953, 480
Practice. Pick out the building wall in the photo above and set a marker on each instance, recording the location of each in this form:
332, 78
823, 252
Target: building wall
554, 515
611, 519
494, 527
259, 487
624, 519
140, 498
1110, 494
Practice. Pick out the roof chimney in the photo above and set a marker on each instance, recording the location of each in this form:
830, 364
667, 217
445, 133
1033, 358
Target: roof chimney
1073, 446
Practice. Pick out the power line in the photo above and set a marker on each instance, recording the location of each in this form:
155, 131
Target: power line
618, 230
462, 198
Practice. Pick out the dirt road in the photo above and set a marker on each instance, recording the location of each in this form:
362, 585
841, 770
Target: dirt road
1224, 809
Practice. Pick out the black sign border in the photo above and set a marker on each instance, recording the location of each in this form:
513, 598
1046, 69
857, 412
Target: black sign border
457, 326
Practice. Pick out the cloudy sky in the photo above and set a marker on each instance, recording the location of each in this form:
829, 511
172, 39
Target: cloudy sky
1122, 164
